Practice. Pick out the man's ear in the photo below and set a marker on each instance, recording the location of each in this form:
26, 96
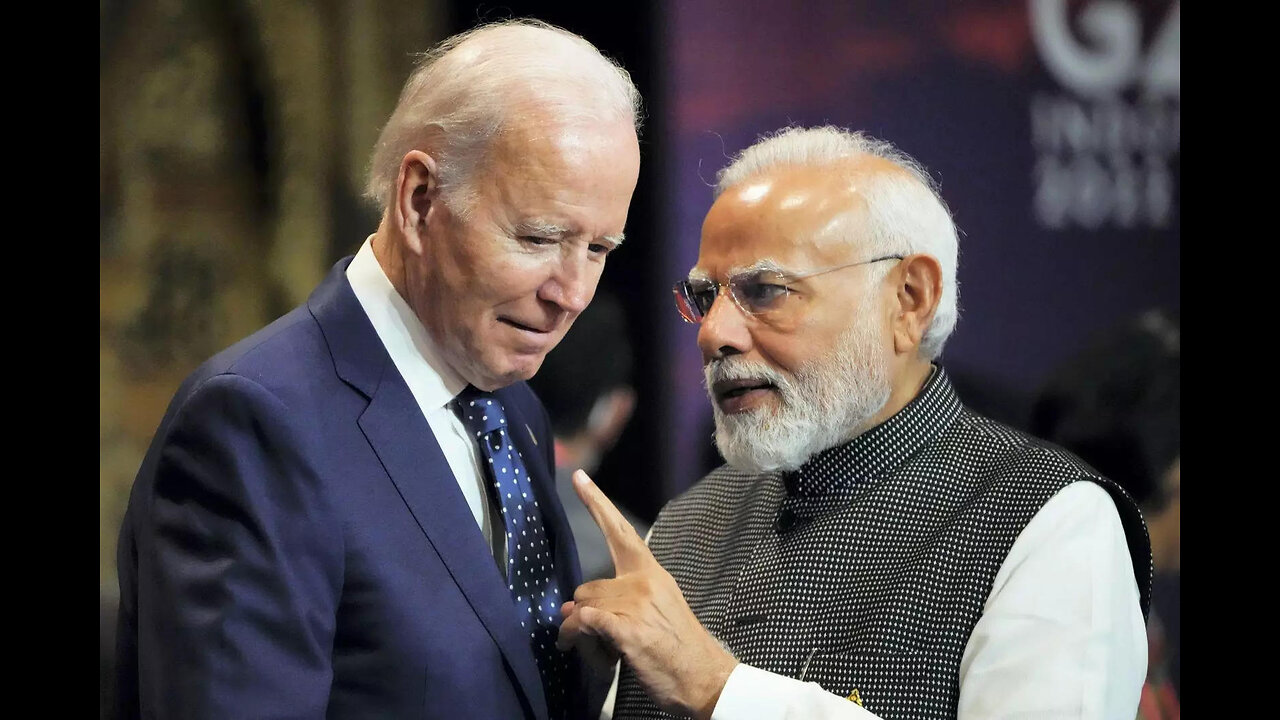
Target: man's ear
919, 289
417, 193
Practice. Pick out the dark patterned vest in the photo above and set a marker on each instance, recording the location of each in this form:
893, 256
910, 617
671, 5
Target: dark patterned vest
867, 569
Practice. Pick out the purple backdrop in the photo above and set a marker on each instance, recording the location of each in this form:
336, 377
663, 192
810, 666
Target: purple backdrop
1053, 127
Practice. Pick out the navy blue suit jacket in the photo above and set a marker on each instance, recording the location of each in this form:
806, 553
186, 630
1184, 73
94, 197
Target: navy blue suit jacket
296, 545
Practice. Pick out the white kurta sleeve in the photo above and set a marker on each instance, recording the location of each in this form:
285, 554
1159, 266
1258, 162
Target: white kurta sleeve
755, 693
1061, 635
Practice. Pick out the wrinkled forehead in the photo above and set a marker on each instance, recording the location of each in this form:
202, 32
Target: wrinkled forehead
566, 150
791, 219
565, 174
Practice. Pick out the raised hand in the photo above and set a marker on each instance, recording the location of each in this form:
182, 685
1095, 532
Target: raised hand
642, 615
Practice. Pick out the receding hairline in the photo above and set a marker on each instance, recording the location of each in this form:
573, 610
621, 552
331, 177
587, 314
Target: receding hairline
481, 43
837, 195
446, 112
844, 170
816, 147
855, 173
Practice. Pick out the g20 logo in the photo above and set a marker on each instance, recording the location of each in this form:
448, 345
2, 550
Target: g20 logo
1105, 154
1111, 57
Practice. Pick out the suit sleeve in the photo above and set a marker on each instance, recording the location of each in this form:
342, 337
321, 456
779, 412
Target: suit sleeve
241, 573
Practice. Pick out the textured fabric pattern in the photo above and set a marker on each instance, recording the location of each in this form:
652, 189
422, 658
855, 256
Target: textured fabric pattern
867, 569
531, 572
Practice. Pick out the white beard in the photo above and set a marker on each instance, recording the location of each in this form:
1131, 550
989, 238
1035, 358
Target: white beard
829, 402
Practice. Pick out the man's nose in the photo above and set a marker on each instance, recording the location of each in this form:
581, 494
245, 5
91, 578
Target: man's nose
724, 330
572, 284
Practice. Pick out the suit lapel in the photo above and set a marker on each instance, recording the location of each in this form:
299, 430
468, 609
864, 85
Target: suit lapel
403, 441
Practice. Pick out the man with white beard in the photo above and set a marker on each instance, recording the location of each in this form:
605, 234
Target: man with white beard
872, 548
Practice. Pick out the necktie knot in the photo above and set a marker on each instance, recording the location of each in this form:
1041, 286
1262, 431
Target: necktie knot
480, 411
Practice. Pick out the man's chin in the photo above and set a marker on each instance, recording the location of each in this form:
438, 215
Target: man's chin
490, 380
523, 367
743, 449
749, 462
503, 371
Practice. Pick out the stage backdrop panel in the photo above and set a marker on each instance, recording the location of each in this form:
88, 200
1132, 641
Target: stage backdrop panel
1052, 126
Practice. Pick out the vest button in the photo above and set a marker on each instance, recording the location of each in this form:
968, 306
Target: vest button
787, 519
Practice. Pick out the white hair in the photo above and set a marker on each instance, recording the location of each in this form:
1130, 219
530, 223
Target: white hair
906, 215
466, 89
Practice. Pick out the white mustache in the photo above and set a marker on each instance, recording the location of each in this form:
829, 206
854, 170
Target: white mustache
728, 369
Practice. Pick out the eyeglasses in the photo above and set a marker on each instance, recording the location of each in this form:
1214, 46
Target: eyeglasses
757, 292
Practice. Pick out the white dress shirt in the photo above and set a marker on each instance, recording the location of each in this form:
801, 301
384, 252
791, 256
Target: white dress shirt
1061, 635
432, 381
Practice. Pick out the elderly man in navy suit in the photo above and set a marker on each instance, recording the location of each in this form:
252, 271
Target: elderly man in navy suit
352, 512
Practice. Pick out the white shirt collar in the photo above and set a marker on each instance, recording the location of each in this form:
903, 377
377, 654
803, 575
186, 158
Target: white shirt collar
415, 353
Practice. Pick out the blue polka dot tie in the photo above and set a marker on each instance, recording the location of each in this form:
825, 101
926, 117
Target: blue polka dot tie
531, 569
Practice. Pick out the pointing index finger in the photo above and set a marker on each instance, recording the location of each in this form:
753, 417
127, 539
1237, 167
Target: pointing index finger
622, 539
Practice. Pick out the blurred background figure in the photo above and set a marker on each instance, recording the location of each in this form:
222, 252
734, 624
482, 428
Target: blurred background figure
586, 386
1116, 405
